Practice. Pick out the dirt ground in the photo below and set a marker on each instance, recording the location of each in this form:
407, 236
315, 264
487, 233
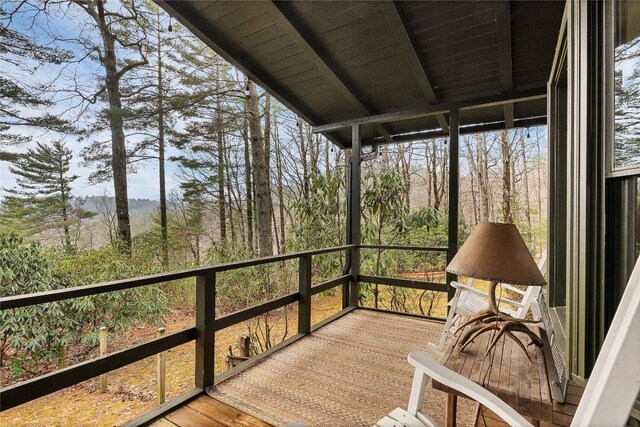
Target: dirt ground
132, 389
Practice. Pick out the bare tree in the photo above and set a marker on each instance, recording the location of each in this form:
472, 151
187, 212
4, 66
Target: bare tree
505, 147
260, 172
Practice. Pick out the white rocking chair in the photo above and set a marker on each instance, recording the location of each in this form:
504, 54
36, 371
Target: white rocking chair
469, 300
607, 400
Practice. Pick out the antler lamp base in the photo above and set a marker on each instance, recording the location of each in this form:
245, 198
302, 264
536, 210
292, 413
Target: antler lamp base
492, 319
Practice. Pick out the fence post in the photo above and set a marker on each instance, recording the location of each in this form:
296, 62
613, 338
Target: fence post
160, 372
304, 288
205, 315
246, 345
103, 351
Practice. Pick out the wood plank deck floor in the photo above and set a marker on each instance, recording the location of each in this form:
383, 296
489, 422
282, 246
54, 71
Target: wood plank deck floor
562, 413
206, 411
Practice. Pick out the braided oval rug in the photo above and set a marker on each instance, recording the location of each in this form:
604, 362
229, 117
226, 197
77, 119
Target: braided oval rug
350, 372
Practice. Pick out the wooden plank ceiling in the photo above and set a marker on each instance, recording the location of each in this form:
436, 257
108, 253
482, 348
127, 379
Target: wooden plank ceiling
330, 62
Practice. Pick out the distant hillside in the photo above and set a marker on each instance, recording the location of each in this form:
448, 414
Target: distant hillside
136, 206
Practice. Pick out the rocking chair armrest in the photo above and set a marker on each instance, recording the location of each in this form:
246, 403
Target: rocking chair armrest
427, 365
467, 288
508, 301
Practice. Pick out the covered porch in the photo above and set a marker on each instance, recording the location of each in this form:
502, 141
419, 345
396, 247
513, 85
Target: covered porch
366, 74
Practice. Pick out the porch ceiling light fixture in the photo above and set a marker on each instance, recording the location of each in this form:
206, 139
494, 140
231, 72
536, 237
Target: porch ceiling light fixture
496, 252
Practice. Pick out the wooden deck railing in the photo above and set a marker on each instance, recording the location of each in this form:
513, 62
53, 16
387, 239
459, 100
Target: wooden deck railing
206, 323
400, 282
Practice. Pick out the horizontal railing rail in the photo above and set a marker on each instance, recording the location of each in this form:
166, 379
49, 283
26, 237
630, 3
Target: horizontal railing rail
207, 324
403, 283
254, 311
17, 301
329, 284
48, 383
406, 248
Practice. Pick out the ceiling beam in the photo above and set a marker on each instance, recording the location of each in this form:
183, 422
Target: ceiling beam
312, 51
471, 104
464, 130
399, 28
503, 24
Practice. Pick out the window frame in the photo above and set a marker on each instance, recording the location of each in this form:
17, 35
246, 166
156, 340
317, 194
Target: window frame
611, 170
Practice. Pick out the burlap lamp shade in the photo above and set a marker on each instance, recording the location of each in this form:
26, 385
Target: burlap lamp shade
496, 252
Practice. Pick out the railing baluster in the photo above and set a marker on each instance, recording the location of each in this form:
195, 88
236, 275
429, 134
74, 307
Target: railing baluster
205, 342
304, 287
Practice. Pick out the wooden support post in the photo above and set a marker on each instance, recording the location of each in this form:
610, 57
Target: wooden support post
205, 342
354, 214
160, 372
103, 351
346, 287
304, 288
452, 232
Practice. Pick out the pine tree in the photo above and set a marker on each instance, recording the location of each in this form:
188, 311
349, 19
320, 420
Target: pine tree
41, 200
202, 100
21, 105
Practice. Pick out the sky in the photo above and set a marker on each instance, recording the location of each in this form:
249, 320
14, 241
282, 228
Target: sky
141, 185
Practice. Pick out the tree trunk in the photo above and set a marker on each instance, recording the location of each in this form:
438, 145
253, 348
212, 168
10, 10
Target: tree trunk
64, 198
483, 177
248, 178
263, 214
116, 125
280, 180
161, 171
444, 181
314, 149
275, 231
473, 172
507, 215
220, 151
233, 191
434, 175
527, 200
327, 166
405, 164
304, 160
427, 156
267, 160
227, 179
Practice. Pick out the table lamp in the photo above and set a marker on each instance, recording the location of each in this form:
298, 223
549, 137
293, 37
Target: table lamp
497, 253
